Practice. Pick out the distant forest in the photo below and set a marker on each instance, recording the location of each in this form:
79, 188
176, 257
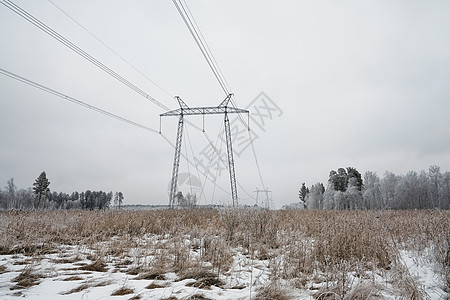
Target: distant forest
40, 197
347, 189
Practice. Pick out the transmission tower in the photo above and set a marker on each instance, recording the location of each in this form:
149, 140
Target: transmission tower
185, 110
267, 200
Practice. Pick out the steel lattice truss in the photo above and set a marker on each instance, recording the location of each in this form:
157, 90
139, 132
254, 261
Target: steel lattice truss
211, 110
185, 110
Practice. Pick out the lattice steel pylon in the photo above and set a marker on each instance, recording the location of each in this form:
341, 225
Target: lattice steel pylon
185, 110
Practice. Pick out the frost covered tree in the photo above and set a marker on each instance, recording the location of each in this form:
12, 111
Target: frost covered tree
11, 191
40, 188
434, 173
3, 204
188, 201
353, 194
25, 198
315, 198
328, 197
423, 190
412, 191
118, 199
347, 185
444, 191
387, 188
372, 198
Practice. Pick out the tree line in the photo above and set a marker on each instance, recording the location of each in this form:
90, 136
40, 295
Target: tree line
40, 197
348, 189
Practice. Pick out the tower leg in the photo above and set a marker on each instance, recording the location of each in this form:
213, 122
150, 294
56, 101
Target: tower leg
176, 164
231, 161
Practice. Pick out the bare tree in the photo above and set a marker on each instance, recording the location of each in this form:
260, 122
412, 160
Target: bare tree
118, 199
11, 194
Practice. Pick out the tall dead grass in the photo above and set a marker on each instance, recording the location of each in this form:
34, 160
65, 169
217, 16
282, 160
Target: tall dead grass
304, 246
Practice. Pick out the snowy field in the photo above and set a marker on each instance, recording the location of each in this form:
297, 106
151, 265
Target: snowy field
223, 255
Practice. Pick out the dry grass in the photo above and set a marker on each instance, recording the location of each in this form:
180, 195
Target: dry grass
272, 292
197, 297
85, 285
73, 278
77, 289
3, 269
206, 283
204, 278
151, 275
366, 291
123, 291
301, 246
154, 285
97, 266
27, 278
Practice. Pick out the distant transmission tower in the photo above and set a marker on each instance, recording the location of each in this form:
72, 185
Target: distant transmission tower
184, 110
266, 202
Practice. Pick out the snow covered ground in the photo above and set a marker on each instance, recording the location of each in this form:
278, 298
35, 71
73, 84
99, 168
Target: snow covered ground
68, 273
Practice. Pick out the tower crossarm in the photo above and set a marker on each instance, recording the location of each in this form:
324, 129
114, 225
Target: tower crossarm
210, 110
223, 108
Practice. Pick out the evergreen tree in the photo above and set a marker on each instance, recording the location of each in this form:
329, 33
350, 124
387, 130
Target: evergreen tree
339, 179
179, 198
40, 188
303, 194
353, 173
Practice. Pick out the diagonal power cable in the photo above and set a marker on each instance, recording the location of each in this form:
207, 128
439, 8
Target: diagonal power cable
188, 20
30, 18
71, 99
110, 49
96, 109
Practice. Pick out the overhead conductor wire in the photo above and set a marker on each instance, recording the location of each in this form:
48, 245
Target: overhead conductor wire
200, 42
189, 20
210, 59
71, 99
30, 18
109, 48
96, 109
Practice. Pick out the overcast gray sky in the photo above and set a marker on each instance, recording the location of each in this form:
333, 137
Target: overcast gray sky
356, 83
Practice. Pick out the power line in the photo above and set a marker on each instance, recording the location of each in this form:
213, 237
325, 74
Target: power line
187, 159
202, 193
207, 48
224, 163
30, 18
89, 106
188, 21
27, 16
256, 160
200, 42
109, 48
71, 99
